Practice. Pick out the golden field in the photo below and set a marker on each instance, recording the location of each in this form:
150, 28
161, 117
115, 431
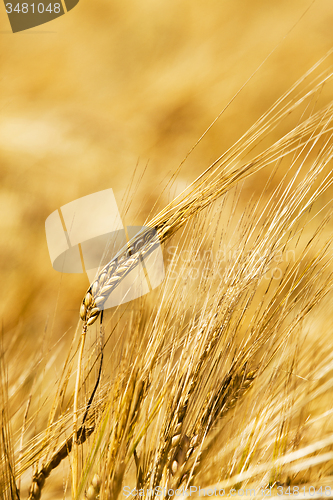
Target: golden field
114, 90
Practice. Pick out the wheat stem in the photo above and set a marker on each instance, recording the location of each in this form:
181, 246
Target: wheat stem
75, 412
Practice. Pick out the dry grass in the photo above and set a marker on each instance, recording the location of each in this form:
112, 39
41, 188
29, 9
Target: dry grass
221, 377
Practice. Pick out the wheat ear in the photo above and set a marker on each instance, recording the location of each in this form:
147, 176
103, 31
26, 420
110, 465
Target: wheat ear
63, 451
217, 180
114, 272
234, 386
94, 488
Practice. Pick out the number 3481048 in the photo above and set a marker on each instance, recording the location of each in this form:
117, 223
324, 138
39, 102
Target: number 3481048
34, 8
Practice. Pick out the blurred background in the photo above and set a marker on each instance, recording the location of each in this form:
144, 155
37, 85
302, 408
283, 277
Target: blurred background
115, 89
